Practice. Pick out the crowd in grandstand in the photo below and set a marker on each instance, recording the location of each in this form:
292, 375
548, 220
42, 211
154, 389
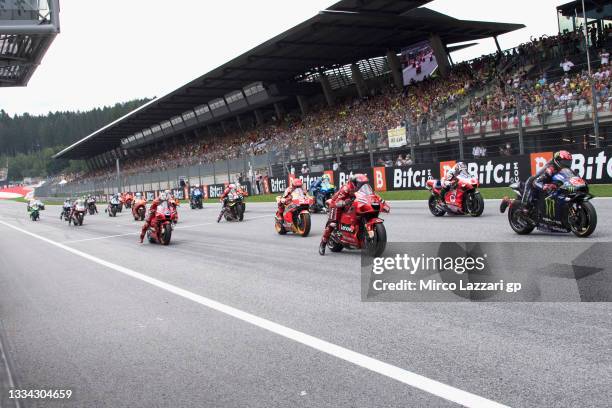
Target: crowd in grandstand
501, 79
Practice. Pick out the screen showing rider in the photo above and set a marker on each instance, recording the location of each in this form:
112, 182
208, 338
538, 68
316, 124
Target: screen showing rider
542, 181
341, 200
285, 199
151, 219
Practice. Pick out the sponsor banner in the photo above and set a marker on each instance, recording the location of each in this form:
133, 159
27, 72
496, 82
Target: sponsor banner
379, 179
595, 166
178, 193
538, 161
397, 137
276, 185
488, 272
215, 190
495, 171
409, 178
150, 195
342, 177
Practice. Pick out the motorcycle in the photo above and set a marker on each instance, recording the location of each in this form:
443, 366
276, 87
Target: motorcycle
165, 217
321, 196
91, 207
78, 214
463, 199
139, 210
234, 209
360, 227
128, 201
196, 201
296, 217
65, 215
114, 206
566, 209
34, 212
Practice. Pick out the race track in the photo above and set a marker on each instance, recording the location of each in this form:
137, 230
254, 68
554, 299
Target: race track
93, 320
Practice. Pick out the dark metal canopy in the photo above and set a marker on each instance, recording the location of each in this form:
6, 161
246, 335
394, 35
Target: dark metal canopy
347, 32
27, 29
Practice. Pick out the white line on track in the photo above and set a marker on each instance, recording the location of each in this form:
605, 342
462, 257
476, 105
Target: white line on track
428, 385
180, 227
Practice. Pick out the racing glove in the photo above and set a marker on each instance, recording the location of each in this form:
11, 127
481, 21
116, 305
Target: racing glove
549, 187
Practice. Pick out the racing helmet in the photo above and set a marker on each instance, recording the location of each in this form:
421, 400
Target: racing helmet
138, 195
563, 159
231, 186
326, 178
460, 167
297, 183
358, 180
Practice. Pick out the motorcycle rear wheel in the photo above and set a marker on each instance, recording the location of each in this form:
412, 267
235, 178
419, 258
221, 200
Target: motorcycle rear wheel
433, 207
586, 215
376, 246
517, 220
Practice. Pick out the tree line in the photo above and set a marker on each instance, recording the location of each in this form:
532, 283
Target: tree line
29, 142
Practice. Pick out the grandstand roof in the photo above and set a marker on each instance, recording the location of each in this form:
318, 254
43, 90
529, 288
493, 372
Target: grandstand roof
27, 29
347, 32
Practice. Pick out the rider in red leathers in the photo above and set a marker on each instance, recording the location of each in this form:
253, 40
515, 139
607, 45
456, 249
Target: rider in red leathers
341, 200
296, 183
151, 220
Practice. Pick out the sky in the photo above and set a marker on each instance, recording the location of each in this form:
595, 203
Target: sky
118, 50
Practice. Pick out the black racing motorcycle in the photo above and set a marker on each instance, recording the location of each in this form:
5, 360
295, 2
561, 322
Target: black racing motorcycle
234, 208
566, 209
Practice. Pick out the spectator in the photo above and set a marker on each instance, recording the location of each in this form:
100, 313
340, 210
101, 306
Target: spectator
567, 65
305, 170
335, 166
605, 57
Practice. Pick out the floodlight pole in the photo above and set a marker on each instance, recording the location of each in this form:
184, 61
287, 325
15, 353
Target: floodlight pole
118, 175
593, 95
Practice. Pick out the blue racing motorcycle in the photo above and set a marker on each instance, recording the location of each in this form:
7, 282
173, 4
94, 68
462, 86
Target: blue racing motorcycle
321, 190
566, 209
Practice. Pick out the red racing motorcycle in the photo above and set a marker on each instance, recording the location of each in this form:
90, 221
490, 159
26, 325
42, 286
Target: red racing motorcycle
297, 215
463, 198
139, 210
165, 218
360, 227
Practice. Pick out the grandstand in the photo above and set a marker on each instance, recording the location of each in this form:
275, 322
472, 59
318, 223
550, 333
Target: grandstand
332, 88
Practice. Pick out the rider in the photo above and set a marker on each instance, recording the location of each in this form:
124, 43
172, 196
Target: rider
151, 220
338, 203
542, 181
90, 200
460, 170
66, 207
230, 189
296, 183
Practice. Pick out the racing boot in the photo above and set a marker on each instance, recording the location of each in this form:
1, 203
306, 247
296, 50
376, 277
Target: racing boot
322, 247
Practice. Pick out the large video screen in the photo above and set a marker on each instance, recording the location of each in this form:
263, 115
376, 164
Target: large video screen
418, 62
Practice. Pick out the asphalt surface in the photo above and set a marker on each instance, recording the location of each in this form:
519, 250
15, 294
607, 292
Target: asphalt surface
117, 341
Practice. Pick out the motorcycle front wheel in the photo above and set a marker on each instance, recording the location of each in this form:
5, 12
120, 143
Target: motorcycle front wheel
376, 245
518, 222
434, 207
303, 224
166, 234
582, 219
474, 204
